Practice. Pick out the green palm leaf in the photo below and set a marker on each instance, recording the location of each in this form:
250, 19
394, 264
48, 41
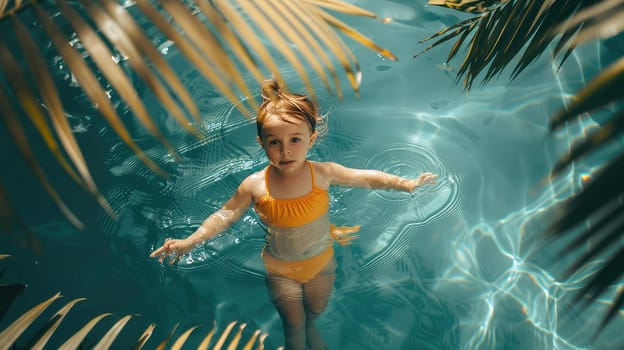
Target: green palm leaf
500, 33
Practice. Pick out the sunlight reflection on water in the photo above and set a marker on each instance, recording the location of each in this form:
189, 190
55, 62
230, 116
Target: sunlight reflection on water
457, 265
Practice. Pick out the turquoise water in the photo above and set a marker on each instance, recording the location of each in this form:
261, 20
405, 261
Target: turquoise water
458, 265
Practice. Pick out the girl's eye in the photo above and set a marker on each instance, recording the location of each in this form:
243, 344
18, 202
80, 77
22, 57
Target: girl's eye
273, 142
296, 139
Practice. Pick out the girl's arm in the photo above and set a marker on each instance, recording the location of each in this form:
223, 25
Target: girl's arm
341, 175
216, 223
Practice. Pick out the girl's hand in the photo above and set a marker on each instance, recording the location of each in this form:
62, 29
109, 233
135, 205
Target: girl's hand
343, 234
423, 179
172, 249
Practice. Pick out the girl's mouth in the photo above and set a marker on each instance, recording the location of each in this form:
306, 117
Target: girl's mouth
286, 162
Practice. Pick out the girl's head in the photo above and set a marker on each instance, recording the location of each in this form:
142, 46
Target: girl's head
288, 107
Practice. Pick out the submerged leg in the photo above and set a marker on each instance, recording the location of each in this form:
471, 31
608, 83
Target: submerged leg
287, 297
316, 293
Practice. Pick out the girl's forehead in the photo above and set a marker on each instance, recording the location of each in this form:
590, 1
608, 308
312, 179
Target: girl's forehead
274, 124
282, 121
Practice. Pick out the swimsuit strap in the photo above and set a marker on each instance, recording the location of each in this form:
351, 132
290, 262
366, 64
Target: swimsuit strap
312, 173
266, 180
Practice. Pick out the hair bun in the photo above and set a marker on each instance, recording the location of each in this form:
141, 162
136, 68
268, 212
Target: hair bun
271, 90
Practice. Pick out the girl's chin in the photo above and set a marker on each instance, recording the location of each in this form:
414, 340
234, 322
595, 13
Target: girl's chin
286, 164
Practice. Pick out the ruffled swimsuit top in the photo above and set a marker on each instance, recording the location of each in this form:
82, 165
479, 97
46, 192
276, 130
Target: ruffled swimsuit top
298, 228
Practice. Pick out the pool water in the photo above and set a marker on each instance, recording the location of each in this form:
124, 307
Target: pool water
456, 265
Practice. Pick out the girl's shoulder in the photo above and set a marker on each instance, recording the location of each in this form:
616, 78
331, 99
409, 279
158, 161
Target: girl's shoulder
323, 173
254, 184
323, 167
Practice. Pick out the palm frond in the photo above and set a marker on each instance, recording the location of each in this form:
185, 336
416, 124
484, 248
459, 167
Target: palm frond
600, 201
11, 335
504, 30
222, 39
474, 6
500, 33
602, 20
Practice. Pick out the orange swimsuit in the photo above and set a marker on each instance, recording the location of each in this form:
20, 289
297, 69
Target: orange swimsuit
295, 212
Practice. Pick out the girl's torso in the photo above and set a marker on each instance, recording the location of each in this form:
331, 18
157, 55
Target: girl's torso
297, 228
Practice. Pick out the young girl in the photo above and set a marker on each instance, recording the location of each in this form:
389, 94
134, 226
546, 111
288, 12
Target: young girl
291, 198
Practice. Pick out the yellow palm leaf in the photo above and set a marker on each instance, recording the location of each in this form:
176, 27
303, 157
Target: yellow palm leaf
179, 343
107, 340
15, 329
76, 340
144, 337
223, 41
59, 121
58, 317
91, 85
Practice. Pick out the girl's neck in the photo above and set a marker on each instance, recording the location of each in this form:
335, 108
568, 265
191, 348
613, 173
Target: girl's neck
290, 174
291, 184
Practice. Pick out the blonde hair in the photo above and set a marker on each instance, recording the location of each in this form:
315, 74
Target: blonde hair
284, 105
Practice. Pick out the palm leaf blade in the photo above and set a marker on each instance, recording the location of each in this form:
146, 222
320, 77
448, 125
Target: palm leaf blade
607, 133
59, 121
206, 341
11, 333
224, 336
615, 228
319, 29
335, 44
45, 84
266, 27
603, 89
598, 21
177, 345
342, 7
27, 101
476, 6
252, 340
110, 336
247, 33
102, 56
117, 36
3, 6
274, 12
597, 229
144, 337
59, 316
146, 47
11, 121
223, 72
186, 48
605, 277
357, 36
165, 341
604, 187
91, 86
613, 310
228, 35
237, 337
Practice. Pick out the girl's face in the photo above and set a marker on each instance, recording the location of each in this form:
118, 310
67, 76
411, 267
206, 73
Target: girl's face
286, 143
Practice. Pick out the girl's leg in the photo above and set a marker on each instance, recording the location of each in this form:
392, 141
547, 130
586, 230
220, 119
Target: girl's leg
316, 293
287, 297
